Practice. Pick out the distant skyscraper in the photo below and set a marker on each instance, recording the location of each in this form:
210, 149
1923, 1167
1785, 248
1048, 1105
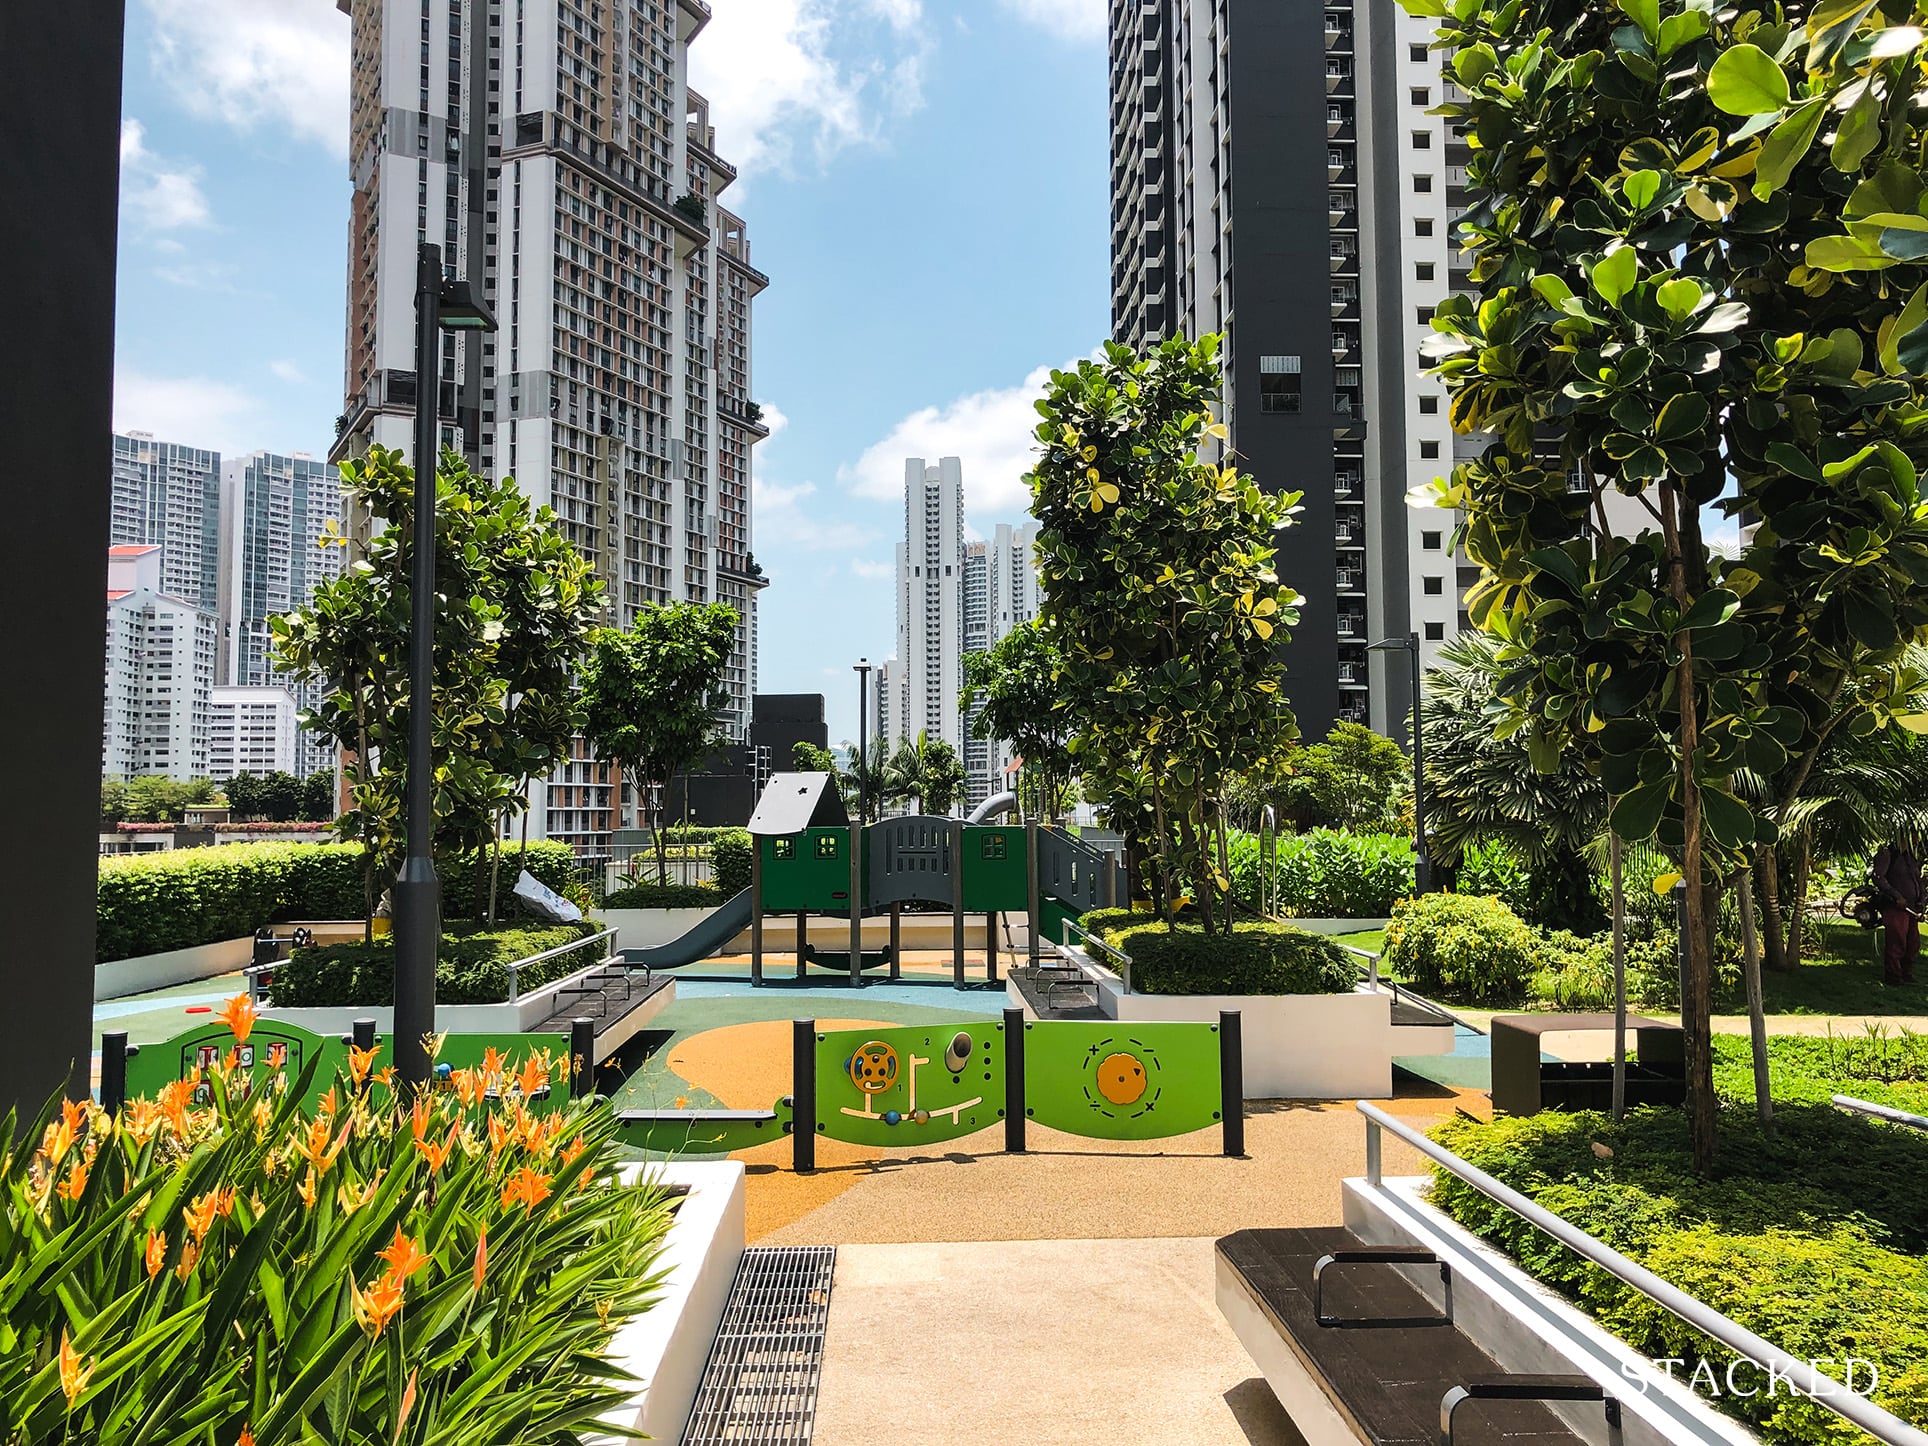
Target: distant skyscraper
159, 674
253, 731
274, 511
930, 598
554, 151
1276, 178
1000, 593
167, 495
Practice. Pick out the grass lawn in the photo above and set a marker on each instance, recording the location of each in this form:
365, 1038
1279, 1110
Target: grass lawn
1371, 940
1841, 975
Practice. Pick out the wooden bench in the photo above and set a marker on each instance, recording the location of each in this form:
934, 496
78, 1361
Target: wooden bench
1356, 1352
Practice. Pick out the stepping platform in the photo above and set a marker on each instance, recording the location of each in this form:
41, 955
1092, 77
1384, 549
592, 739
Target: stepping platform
1357, 1352
620, 1000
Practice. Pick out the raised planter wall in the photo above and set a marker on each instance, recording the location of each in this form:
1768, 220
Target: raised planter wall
119, 978
668, 1345
1296, 1046
1526, 1328
645, 928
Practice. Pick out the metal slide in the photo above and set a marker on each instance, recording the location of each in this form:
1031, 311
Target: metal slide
731, 918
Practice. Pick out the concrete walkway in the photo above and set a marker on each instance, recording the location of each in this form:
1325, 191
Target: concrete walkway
1037, 1342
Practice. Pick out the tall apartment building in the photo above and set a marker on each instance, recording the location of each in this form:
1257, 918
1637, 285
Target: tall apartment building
167, 495
1275, 177
159, 672
253, 731
1000, 593
928, 669
555, 152
275, 509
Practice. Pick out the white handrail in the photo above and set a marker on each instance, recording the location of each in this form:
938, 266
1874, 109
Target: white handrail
515, 966
1113, 950
1881, 1112
1801, 1376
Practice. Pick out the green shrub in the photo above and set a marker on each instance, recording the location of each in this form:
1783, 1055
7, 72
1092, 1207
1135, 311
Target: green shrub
1812, 1238
730, 855
151, 903
1327, 873
471, 967
1460, 946
247, 1296
1493, 868
551, 863
1877, 1065
1107, 922
664, 896
1574, 972
1255, 959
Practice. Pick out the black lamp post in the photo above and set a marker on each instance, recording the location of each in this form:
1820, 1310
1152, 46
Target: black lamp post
441, 303
1422, 867
862, 669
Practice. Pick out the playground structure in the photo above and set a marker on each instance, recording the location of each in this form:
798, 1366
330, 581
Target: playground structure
809, 859
910, 1087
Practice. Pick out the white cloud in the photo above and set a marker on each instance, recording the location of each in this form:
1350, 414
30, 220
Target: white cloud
197, 411
989, 432
1068, 19
249, 63
775, 419
157, 195
873, 571
288, 372
790, 76
786, 519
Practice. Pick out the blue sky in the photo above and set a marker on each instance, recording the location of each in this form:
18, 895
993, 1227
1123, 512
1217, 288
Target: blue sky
924, 182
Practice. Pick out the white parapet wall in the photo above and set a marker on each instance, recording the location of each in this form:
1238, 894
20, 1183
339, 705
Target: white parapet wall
119, 978
1296, 1046
1528, 1329
667, 1347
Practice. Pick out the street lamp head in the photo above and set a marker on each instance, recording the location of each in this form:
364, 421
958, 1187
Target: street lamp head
1385, 645
862, 665
460, 309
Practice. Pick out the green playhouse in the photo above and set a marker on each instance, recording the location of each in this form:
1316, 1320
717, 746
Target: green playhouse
810, 859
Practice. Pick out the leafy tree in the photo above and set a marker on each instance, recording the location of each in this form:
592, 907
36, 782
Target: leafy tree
1679, 291
274, 797
861, 774
1355, 779
1161, 596
1023, 704
318, 796
925, 771
353, 639
652, 695
1481, 790
806, 757
156, 798
113, 802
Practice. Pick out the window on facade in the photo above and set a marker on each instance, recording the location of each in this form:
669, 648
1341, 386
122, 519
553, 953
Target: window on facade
1428, 405
1416, 52
1434, 586
1422, 140
1279, 378
1430, 541
1429, 449
1422, 96
783, 848
1423, 270
827, 845
1422, 184
1424, 315
1435, 632
1422, 225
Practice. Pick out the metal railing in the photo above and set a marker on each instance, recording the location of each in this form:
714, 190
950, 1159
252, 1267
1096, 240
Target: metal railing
1089, 941
1801, 1376
516, 966
1881, 1112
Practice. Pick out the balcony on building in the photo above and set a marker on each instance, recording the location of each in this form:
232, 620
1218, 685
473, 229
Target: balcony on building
1335, 120
1351, 580
1345, 484
1352, 624
1338, 74
1345, 253
1341, 205
1343, 297
1352, 674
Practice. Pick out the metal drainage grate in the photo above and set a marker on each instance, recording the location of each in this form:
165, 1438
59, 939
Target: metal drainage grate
761, 1381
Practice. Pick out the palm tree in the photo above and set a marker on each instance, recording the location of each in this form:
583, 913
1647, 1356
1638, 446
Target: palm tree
1483, 789
927, 772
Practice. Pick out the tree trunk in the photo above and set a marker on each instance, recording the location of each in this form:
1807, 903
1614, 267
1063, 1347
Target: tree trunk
1797, 902
1774, 931
1756, 1014
1696, 1003
1616, 879
1164, 849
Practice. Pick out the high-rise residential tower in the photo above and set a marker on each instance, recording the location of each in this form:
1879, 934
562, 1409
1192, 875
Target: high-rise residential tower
1000, 593
167, 495
928, 669
555, 152
275, 511
1276, 178
159, 672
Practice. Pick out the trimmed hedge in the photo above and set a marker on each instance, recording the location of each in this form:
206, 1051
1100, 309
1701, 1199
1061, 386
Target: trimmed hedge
730, 854
150, 903
471, 967
1812, 1238
1461, 946
664, 896
1256, 958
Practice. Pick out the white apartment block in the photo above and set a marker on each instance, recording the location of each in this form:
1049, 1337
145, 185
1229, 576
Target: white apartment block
159, 673
1000, 593
167, 495
930, 604
554, 151
275, 510
253, 731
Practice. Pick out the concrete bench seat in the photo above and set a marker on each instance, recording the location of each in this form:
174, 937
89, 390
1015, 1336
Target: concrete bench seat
1356, 1352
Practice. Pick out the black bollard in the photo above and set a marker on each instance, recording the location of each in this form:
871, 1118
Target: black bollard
1231, 1082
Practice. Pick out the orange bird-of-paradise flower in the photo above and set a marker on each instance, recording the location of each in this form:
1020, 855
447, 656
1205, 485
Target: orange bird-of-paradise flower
500, 1135
239, 1016
200, 1215
534, 1076
379, 1304
76, 1182
493, 1062
190, 1257
317, 1149
481, 1257
306, 1190
155, 1255
436, 1154
75, 1370
408, 1404
573, 1150
246, 1438
404, 1257
418, 1118
527, 1189
174, 1099
360, 1062
350, 1199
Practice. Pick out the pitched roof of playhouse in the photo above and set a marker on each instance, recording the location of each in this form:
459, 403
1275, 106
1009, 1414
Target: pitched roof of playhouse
793, 802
